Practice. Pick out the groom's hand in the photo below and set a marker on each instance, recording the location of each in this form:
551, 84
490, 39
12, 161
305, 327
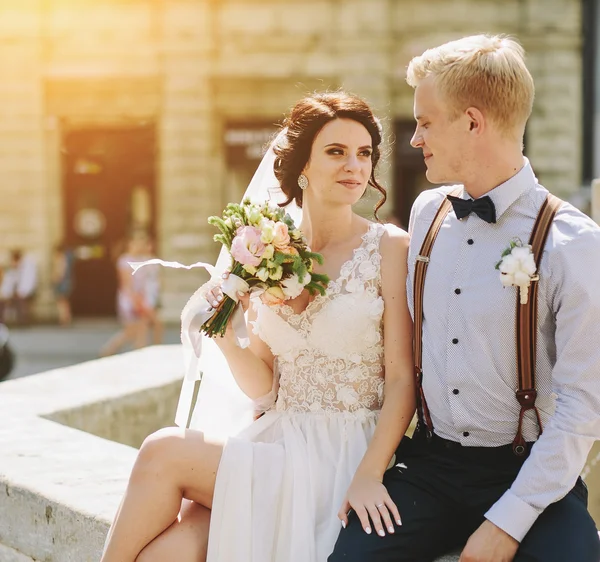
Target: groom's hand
370, 500
489, 544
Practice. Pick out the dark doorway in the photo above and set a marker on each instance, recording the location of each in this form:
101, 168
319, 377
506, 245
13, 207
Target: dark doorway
245, 143
409, 171
109, 191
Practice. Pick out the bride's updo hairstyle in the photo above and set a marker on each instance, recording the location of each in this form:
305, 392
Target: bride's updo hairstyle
305, 121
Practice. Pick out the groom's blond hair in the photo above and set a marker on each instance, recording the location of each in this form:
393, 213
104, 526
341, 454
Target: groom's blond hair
483, 71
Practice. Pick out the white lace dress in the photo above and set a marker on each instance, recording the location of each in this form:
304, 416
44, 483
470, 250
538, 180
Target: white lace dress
281, 482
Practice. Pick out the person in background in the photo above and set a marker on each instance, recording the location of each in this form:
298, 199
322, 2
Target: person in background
19, 284
63, 259
152, 294
132, 307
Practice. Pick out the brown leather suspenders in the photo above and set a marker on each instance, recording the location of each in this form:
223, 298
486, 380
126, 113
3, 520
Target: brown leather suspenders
527, 323
421, 264
526, 318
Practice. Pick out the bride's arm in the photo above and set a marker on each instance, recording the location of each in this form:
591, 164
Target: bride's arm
366, 491
252, 367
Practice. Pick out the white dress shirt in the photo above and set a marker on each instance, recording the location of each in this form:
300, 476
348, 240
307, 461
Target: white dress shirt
469, 341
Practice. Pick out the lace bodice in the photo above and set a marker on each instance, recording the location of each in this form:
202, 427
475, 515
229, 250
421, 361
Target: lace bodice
330, 356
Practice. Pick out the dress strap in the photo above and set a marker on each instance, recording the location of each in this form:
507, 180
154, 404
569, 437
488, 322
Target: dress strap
363, 268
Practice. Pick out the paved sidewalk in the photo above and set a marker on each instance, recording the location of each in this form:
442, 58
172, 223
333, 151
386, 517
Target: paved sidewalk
45, 347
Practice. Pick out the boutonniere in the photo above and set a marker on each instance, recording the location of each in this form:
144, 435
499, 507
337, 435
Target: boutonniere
517, 268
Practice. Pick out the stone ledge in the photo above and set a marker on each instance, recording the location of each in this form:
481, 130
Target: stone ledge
60, 485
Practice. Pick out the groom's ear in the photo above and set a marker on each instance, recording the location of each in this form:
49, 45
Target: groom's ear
476, 120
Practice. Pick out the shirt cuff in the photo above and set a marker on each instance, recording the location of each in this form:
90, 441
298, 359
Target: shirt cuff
514, 516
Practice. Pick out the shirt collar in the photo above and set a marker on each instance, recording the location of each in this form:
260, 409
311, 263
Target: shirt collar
508, 192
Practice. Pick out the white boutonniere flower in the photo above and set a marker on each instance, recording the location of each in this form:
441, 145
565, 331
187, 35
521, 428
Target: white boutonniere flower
517, 268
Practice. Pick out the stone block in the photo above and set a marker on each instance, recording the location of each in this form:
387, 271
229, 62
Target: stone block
8, 554
60, 486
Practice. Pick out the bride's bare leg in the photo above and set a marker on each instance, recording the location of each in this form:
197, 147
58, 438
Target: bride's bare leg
186, 540
172, 464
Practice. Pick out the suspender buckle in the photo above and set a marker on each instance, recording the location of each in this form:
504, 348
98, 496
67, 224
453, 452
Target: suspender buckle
519, 450
424, 259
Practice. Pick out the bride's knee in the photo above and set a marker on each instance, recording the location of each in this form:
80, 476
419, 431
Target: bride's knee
159, 449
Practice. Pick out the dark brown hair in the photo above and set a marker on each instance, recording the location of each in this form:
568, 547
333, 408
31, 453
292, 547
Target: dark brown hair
305, 121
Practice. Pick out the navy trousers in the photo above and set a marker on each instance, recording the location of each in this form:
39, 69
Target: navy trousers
443, 490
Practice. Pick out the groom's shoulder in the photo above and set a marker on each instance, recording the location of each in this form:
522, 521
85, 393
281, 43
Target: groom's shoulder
572, 229
428, 202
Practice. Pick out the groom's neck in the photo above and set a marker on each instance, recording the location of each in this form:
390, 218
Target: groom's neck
492, 168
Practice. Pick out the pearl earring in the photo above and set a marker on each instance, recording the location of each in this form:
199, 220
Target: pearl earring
302, 182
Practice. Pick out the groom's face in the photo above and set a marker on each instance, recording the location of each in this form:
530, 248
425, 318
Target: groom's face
440, 134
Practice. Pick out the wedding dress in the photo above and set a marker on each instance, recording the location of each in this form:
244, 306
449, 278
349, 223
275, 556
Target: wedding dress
282, 480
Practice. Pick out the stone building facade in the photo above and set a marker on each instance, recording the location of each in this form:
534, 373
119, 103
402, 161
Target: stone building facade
121, 113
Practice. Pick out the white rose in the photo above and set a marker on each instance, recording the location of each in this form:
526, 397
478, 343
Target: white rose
525, 258
517, 269
529, 264
509, 264
292, 287
521, 278
520, 252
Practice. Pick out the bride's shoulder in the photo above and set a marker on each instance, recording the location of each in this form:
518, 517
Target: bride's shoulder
394, 241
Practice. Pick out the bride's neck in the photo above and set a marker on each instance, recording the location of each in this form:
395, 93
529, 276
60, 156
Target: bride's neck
325, 227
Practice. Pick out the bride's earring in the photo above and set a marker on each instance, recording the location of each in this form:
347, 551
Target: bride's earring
302, 182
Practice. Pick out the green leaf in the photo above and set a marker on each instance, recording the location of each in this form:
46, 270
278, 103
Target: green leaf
312, 256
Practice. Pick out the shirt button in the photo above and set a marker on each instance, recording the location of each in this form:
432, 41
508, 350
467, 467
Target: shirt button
457, 291
470, 241
466, 434
455, 391
455, 340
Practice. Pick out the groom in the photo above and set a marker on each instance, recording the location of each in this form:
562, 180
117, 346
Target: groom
473, 476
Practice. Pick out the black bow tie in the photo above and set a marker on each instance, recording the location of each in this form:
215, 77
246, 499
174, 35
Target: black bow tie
484, 207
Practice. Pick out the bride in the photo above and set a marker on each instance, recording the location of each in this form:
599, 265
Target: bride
279, 490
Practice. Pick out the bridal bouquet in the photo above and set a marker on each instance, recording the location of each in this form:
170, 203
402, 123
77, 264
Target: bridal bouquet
268, 253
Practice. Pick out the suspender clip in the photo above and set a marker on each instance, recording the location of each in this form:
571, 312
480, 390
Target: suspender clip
424, 259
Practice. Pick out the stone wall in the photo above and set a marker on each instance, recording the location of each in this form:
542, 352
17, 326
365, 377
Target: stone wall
191, 65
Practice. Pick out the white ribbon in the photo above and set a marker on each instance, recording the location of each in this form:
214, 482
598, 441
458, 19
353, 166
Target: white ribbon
193, 318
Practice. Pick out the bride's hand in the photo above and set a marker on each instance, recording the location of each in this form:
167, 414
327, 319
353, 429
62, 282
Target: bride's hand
369, 498
215, 296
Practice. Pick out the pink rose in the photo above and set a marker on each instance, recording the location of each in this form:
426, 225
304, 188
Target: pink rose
247, 247
282, 236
